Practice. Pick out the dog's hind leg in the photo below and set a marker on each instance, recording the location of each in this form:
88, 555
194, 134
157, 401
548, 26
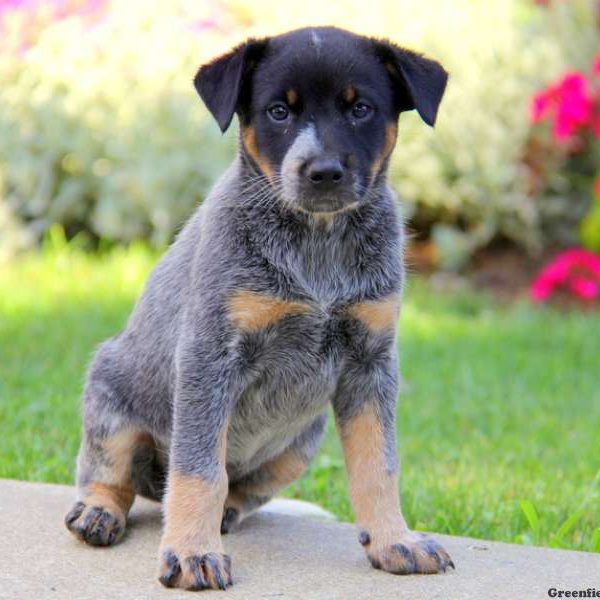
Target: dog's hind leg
258, 487
105, 486
105, 480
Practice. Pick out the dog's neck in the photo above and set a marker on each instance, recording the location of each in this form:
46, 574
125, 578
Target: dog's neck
332, 256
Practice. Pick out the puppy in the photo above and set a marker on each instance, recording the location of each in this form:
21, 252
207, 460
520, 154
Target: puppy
279, 298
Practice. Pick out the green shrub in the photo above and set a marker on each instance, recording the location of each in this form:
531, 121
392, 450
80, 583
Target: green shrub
100, 128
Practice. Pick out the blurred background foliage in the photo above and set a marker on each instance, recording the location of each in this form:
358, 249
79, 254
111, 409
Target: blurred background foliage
101, 132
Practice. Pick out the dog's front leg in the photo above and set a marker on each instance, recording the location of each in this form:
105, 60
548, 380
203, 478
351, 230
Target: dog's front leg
365, 416
191, 550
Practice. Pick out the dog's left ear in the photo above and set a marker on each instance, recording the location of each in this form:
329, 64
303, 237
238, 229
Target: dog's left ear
419, 82
223, 84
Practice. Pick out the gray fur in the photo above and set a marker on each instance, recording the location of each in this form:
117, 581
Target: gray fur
180, 368
254, 321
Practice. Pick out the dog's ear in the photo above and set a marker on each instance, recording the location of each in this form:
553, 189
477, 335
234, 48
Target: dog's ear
418, 81
223, 84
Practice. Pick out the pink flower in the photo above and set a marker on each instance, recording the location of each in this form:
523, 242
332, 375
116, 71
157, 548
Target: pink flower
568, 102
575, 271
574, 106
541, 104
596, 65
584, 288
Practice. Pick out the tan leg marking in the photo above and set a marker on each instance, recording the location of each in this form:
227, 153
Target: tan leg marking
193, 509
116, 499
247, 496
377, 315
373, 491
99, 518
249, 138
191, 549
112, 486
251, 311
391, 132
389, 544
280, 471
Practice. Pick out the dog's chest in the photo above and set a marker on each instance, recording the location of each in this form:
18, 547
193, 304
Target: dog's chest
291, 365
291, 347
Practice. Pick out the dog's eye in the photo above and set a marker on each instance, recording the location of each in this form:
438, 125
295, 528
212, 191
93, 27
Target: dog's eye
361, 110
278, 112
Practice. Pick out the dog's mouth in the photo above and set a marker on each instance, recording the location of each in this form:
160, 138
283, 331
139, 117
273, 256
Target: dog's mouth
331, 203
296, 197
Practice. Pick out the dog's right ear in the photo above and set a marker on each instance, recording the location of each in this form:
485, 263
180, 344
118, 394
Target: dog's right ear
223, 84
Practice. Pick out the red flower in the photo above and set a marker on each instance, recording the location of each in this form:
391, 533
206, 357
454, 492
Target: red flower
576, 271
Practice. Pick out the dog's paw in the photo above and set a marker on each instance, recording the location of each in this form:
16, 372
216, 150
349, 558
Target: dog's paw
195, 571
95, 525
412, 553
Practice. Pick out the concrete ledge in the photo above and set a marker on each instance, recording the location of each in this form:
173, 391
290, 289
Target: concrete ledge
274, 556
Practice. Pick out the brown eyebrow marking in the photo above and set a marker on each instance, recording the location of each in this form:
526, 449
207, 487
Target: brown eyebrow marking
252, 311
249, 137
349, 94
291, 96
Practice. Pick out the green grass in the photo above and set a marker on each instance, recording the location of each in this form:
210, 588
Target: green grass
499, 424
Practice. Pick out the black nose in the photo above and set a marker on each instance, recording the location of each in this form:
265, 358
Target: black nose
325, 172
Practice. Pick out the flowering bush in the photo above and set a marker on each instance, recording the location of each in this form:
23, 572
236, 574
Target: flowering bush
564, 164
573, 103
572, 106
574, 271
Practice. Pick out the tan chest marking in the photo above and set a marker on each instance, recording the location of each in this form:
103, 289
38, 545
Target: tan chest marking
377, 316
251, 311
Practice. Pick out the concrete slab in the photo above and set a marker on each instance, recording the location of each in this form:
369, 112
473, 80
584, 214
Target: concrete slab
274, 556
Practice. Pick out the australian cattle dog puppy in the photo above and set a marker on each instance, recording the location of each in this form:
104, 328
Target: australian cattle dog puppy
278, 299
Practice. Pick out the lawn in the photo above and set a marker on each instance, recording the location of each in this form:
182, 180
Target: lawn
498, 424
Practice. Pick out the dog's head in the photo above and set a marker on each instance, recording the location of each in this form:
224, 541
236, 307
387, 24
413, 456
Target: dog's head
318, 110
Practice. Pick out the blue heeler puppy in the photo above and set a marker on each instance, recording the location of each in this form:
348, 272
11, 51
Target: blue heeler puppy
279, 298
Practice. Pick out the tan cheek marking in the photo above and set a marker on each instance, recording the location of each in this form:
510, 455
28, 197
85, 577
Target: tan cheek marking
373, 491
194, 508
377, 315
291, 97
349, 94
249, 137
391, 132
251, 311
